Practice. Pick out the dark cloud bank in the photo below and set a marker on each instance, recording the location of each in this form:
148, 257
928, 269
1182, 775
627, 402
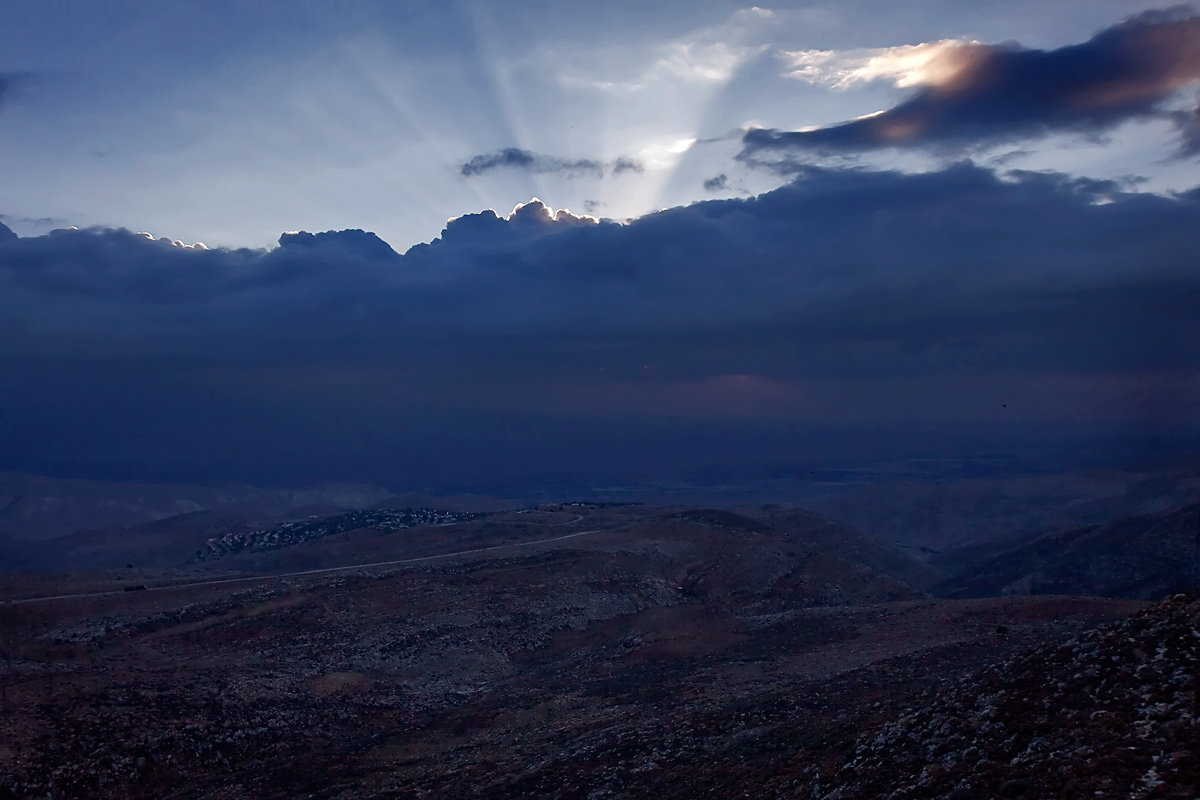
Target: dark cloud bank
999, 93
873, 312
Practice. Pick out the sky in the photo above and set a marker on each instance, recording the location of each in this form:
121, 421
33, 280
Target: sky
463, 243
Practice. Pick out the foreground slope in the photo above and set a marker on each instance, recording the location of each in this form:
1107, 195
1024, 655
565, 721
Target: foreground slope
1111, 713
593, 652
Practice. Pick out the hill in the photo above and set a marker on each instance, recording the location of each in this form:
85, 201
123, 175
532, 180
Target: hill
937, 516
575, 651
1110, 713
1146, 557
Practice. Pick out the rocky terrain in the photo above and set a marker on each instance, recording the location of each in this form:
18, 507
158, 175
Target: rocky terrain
1147, 556
567, 651
1109, 713
835, 536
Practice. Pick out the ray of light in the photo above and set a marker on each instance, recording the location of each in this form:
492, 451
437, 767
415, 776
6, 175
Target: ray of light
496, 69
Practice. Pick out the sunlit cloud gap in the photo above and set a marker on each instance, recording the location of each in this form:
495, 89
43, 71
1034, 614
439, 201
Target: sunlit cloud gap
741, 40
905, 66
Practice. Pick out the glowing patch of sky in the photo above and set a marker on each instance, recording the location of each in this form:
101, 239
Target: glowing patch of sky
905, 66
229, 122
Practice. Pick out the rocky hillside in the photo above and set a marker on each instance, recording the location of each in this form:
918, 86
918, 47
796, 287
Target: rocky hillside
1108, 714
835, 536
581, 652
1145, 557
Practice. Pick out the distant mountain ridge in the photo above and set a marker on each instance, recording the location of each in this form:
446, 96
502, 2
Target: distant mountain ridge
36, 507
935, 516
1145, 556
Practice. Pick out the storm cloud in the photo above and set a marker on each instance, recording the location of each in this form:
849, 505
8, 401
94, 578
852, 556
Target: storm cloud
528, 161
968, 93
848, 296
